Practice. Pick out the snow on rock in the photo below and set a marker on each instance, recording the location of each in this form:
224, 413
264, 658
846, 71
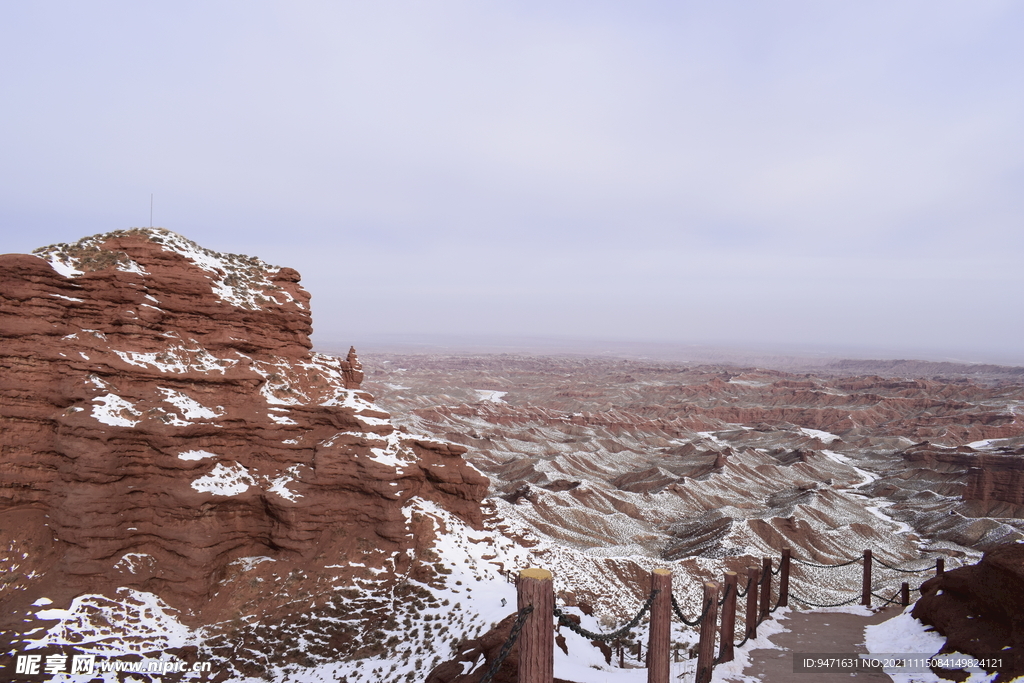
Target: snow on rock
178, 358
91, 624
225, 480
115, 411
281, 419
133, 562
236, 279
280, 485
190, 408
248, 563
824, 437
196, 455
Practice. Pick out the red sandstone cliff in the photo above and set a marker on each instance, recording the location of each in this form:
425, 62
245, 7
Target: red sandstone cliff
162, 417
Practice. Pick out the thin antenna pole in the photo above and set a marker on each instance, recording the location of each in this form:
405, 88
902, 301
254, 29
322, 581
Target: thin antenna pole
151, 210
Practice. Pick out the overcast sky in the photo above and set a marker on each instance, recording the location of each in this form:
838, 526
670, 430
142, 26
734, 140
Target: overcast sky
805, 174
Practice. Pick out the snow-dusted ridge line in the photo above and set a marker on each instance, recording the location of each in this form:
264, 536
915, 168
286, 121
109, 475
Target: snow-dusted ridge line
236, 279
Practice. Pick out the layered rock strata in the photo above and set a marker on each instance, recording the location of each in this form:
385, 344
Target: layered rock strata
164, 425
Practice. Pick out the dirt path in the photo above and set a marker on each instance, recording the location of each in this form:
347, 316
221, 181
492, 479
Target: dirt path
823, 632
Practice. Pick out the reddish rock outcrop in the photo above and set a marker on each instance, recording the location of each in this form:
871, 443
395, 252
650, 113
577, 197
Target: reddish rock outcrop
980, 609
163, 417
992, 477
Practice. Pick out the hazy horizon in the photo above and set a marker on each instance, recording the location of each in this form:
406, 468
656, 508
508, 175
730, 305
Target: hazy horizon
776, 356
798, 175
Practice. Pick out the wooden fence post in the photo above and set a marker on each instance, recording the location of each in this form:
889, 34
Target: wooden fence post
753, 578
784, 578
708, 626
727, 634
766, 588
537, 639
659, 643
940, 566
865, 592
905, 594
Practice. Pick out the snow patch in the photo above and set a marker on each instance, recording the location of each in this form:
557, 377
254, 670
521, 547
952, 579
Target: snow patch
732, 672
826, 437
905, 634
868, 477
876, 510
225, 481
112, 410
280, 485
196, 455
178, 359
93, 625
239, 280
248, 563
132, 562
62, 265
190, 408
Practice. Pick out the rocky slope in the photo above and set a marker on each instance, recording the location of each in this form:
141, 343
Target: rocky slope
168, 439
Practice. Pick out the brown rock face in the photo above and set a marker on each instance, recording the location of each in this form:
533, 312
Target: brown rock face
980, 609
162, 416
992, 478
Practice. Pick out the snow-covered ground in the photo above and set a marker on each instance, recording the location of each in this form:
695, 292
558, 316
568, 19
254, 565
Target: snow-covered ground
903, 634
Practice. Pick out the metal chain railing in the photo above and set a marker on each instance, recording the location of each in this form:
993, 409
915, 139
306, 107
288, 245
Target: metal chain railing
746, 635
513, 636
826, 566
564, 620
679, 613
725, 594
891, 602
815, 604
905, 571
